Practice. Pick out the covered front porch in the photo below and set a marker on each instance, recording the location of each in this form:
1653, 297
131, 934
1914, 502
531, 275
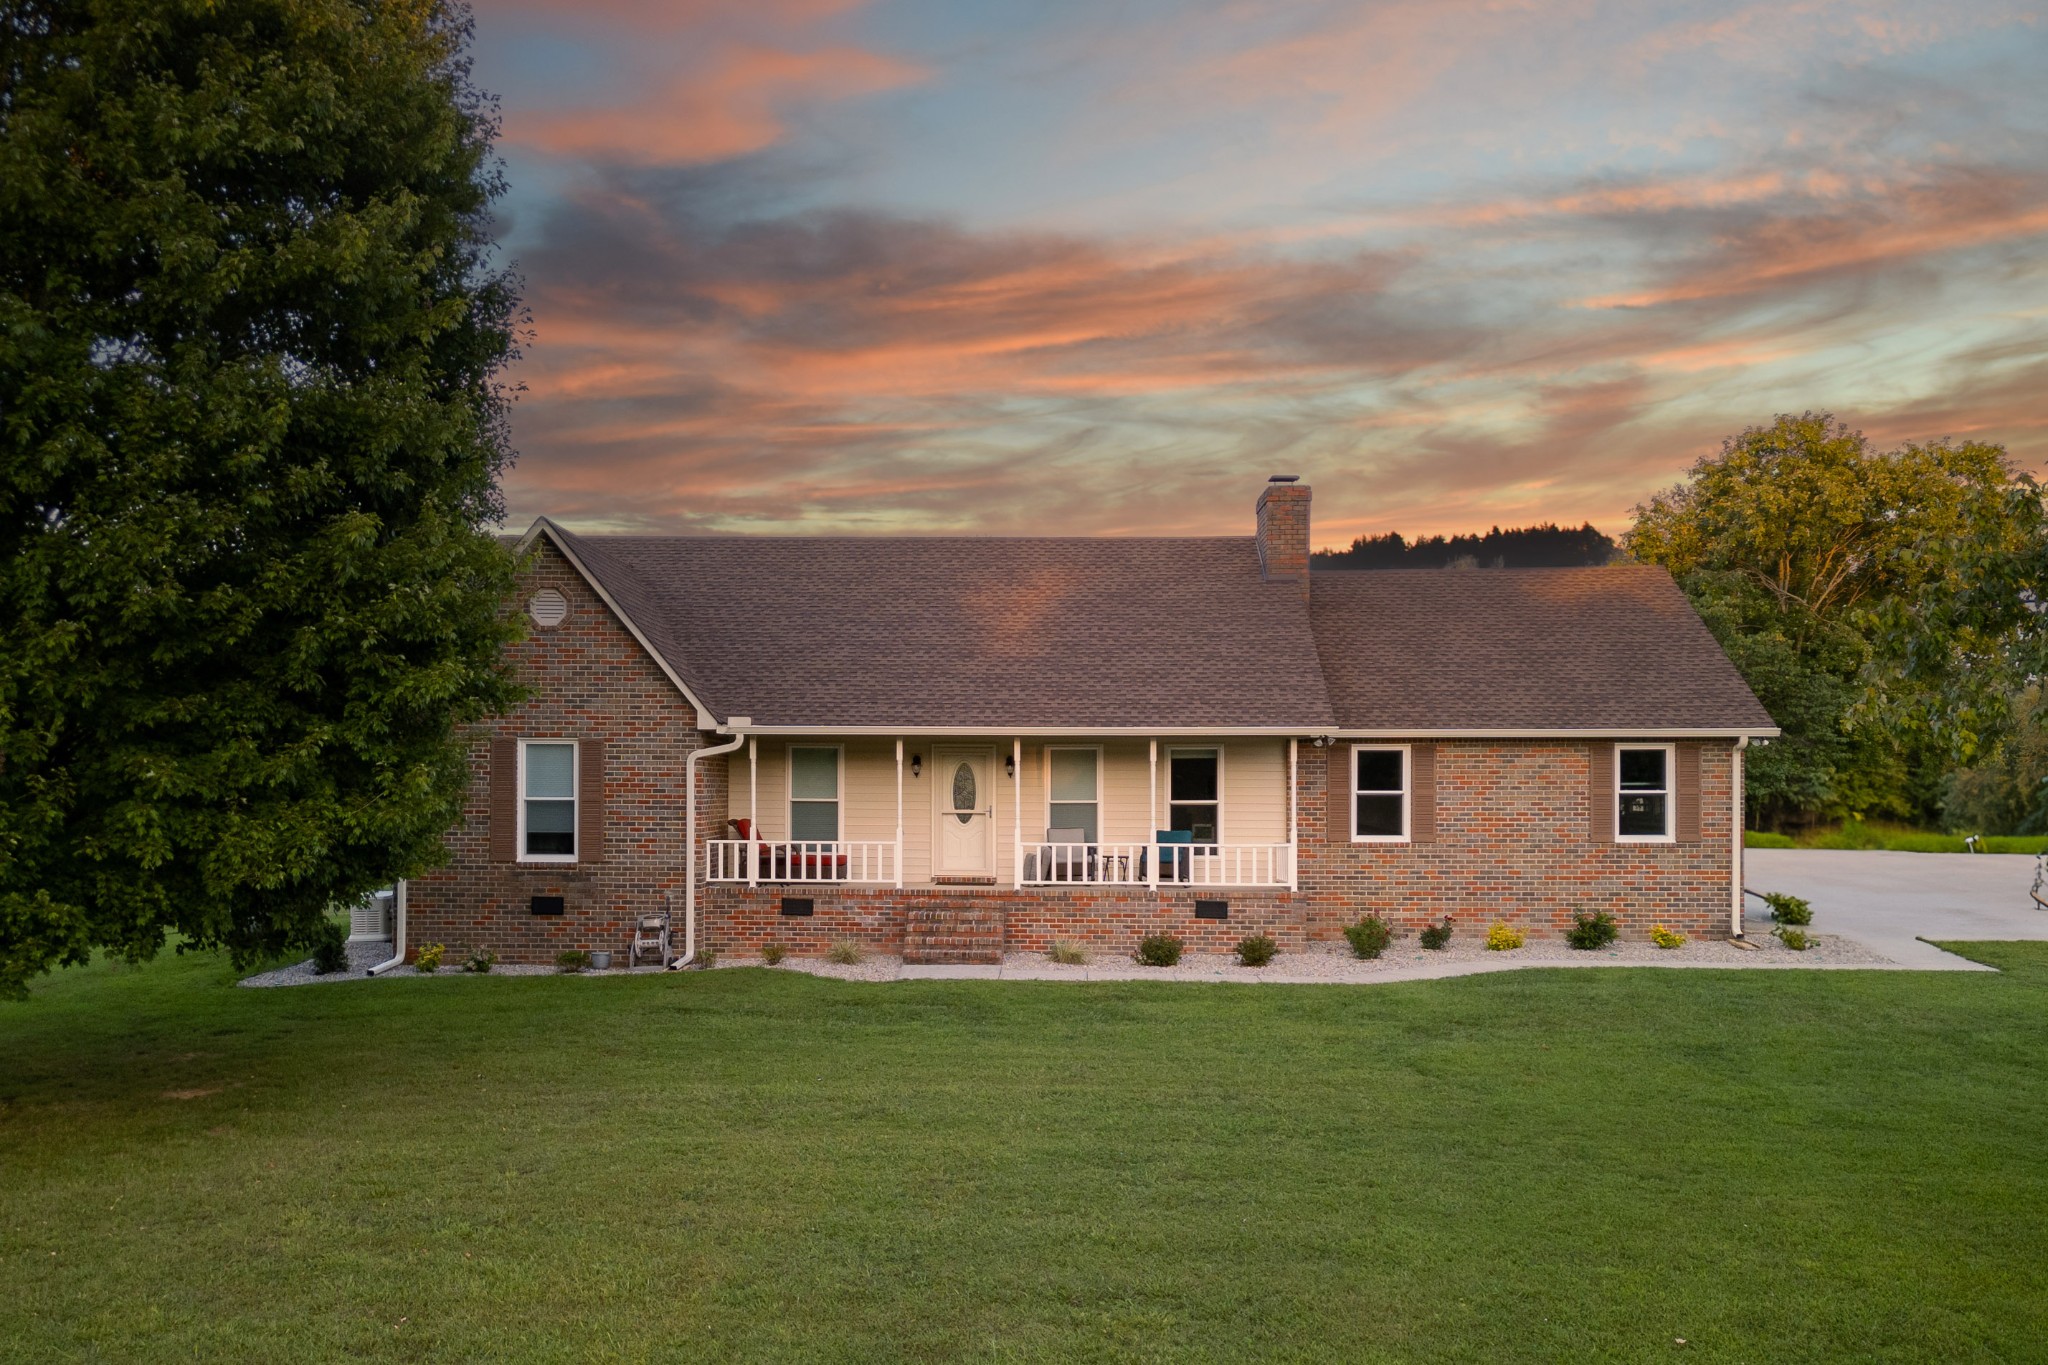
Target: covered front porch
1167, 812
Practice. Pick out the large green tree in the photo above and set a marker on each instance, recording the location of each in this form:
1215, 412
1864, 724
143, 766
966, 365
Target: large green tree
1881, 604
250, 435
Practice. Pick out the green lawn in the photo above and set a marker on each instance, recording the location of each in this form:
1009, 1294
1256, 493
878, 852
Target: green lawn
744, 1165
1857, 834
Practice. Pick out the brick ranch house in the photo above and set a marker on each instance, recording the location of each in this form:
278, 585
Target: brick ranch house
948, 747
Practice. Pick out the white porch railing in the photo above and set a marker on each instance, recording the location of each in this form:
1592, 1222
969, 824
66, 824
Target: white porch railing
1049, 864
801, 860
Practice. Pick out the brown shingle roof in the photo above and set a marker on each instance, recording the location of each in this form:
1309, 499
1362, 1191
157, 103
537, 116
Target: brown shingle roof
1612, 648
842, 631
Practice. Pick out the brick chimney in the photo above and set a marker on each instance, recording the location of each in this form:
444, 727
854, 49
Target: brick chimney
1283, 531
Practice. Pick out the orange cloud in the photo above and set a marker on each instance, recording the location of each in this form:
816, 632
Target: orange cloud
1931, 219
735, 107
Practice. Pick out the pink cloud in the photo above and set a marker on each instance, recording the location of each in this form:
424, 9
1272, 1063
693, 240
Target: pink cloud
735, 106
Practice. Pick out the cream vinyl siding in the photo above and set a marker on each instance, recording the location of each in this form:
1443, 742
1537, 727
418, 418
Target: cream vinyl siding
1254, 793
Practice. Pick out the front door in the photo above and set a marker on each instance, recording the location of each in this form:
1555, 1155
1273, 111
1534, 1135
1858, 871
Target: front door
963, 845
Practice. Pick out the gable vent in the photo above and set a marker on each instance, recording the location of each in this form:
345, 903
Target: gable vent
548, 607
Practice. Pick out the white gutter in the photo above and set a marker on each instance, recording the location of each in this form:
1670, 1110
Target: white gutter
1249, 731
690, 839
1735, 839
1537, 732
1035, 731
397, 931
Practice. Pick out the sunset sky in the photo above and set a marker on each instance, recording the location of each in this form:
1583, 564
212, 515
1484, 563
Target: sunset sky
1100, 267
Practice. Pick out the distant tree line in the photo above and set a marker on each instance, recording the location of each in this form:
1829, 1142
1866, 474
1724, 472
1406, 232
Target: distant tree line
1548, 546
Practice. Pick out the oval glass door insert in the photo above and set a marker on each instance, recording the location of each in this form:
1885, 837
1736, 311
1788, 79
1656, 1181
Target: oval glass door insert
963, 792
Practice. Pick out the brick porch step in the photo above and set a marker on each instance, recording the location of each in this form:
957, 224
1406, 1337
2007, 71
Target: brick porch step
956, 934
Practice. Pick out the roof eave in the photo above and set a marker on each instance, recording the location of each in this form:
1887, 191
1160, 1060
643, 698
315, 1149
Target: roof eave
1560, 732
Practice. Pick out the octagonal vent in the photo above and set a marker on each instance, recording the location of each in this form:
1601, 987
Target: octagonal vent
548, 608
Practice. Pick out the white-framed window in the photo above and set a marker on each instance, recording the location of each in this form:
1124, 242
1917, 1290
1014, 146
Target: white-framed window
816, 778
547, 800
1379, 793
1194, 793
1642, 793
1073, 790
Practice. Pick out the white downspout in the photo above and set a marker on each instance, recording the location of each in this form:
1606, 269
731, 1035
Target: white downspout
690, 844
397, 931
1735, 839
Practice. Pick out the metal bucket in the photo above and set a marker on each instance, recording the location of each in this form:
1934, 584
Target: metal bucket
600, 962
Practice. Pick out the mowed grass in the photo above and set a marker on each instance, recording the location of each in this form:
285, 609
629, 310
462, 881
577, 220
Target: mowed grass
1879, 834
744, 1165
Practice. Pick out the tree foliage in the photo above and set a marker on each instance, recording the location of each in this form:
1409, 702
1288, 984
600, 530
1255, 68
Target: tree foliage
1521, 547
1880, 603
250, 433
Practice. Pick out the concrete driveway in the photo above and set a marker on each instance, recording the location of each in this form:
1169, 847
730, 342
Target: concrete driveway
1890, 901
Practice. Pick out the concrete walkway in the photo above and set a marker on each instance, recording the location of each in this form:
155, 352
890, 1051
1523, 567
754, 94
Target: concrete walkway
1889, 902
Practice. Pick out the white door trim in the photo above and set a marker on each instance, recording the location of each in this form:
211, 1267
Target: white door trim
944, 758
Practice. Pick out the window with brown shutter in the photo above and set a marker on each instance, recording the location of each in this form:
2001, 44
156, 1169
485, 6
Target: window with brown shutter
590, 802
504, 807
1422, 796
1688, 793
1600, 793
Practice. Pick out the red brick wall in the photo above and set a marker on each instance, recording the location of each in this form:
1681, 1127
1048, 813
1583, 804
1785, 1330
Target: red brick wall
741, 920
591, 679
1513, 844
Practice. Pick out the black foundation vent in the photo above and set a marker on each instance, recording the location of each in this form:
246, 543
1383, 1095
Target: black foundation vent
797, 907
545, 905
1212, 909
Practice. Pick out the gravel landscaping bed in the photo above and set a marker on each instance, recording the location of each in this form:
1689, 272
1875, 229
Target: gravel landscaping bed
1404, 959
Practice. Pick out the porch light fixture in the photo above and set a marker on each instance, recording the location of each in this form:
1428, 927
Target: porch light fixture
917, 765
1009, 765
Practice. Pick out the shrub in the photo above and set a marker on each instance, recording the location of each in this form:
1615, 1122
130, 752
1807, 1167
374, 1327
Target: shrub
772, 953
1666, 938
1504, 938
1159, 950
330, 947
1256, 951
1798, 940
428, 959
1591, 931
707, 958
1437, 937
845, 952
573, 960
1369, 937
1788, 909
1072, 954
479, 960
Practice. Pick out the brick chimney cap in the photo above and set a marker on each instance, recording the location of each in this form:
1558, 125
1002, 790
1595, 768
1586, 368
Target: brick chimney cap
1285, 478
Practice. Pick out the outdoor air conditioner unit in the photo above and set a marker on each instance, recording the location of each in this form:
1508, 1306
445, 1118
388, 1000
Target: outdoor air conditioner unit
370, 921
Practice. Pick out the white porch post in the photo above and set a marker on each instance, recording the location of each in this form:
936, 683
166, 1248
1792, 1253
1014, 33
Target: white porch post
1152, 814
1293, 815
1017, 812
899, 814
754, 811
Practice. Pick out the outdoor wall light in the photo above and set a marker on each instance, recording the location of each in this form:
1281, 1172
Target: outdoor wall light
917, 765
1009, 765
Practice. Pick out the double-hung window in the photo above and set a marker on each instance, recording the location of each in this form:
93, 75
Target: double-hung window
1194, 793
1074, 791
1379, 794
547, 801
814, 793
1643, 792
